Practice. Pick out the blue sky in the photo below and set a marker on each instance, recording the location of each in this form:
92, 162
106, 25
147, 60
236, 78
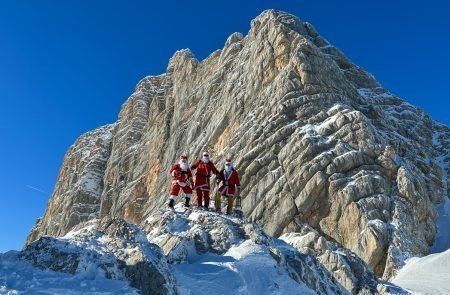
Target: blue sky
66, 67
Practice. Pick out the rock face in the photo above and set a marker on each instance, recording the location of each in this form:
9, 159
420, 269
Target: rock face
347, 268
315, 138
76, 197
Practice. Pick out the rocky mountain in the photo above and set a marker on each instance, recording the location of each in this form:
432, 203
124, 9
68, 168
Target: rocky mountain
319, 144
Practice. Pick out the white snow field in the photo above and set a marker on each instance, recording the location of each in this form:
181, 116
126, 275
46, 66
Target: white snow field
426, 275
20, 277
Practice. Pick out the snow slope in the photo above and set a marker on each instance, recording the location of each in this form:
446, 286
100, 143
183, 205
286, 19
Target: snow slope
429, 274
20, 277
244, 269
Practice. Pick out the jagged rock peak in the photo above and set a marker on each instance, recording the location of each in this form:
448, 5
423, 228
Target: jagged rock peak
180, 57
235, 37
150, 84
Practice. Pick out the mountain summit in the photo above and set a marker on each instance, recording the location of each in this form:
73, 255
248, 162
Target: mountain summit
318, 143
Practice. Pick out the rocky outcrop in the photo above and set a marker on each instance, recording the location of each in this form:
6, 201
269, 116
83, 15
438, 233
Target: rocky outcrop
346, 267
76, 197
315, 138
177, 252
117, 248
202, 232
322, 266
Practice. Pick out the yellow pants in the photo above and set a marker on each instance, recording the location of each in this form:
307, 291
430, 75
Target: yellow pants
230, 205
218, 205
217, 202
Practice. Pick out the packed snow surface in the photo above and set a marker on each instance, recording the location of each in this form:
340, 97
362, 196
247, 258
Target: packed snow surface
426, 275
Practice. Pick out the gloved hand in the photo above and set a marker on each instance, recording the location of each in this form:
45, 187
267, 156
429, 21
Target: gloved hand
176, 174
238, 192
182, 183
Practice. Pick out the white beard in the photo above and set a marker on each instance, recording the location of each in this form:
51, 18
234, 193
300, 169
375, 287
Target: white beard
184, 166
205, 160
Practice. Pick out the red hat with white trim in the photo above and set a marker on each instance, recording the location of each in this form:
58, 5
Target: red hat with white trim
183, 157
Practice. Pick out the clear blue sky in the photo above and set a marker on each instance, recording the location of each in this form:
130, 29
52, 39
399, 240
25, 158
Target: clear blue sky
66, 67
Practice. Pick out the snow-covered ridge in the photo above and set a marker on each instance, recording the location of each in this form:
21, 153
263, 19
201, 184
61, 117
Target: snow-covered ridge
99, 257
191, 252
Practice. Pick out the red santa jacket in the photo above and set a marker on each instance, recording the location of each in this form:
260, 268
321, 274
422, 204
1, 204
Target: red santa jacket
230, 182
178, 175
203, 173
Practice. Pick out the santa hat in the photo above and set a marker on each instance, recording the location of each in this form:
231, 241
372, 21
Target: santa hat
228, 161
182, 157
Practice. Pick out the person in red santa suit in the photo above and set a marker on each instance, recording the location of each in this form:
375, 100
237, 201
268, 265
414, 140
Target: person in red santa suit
181, 179
230, 188
205, 167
